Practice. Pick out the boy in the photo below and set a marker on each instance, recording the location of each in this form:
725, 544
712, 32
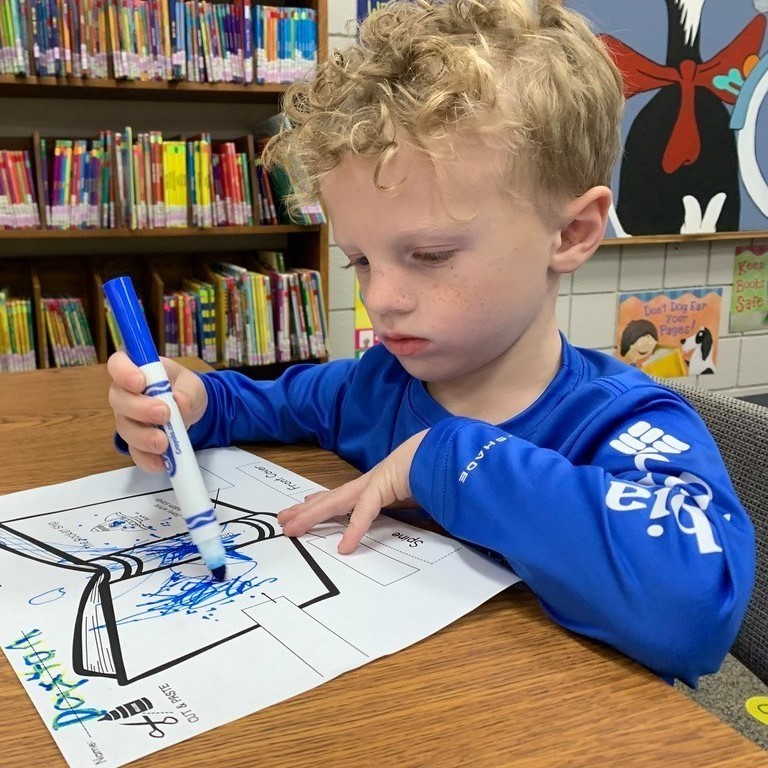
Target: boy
462, 151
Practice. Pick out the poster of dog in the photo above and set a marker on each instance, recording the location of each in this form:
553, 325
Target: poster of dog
670, 333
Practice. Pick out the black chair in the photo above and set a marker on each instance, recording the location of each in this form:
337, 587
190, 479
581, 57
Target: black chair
740, 430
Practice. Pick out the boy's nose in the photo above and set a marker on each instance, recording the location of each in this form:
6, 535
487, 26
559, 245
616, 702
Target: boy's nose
388, 291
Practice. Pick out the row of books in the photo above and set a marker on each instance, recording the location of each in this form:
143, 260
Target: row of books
189, 321
144, 181
17, 339
18, 199
242, 316
286, 43
68, 332
77, 184
228, 315
198, 182
192, 40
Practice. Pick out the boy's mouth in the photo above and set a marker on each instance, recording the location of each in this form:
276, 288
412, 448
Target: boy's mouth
404, 346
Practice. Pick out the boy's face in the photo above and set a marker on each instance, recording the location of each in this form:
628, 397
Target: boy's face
455, 274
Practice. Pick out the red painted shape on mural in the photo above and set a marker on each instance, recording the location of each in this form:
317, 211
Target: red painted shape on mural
640, 74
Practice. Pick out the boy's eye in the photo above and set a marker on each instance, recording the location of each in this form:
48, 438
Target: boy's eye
356, 261
434, 257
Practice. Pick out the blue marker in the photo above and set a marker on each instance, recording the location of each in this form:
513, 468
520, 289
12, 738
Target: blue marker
180, 458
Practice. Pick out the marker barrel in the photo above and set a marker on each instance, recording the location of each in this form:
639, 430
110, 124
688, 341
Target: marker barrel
179, 458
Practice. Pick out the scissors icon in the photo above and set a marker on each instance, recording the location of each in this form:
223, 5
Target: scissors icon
154, 731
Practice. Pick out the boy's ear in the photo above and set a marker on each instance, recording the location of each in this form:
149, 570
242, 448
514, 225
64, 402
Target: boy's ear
582, 229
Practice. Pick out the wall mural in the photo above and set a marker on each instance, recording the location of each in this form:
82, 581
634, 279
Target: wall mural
695, 158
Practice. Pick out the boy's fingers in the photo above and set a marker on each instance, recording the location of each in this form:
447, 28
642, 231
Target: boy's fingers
144, 438
320, 507
149, 462
142, 408
289, 513
298, 522
125, 373
365, 512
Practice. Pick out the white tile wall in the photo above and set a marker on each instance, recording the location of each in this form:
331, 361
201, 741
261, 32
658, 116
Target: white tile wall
600, 274
341, 282
721, 262
645, 270
753, 365
340, 13
342, 333
593, 319
589, 319
683, 264
591, 314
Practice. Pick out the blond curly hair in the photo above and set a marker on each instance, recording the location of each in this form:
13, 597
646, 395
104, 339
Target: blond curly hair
526, 76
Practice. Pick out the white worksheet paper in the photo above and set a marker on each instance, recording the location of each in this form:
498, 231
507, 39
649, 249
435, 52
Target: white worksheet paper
126, 645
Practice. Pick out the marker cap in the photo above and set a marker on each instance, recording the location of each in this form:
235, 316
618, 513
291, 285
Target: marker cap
131, 321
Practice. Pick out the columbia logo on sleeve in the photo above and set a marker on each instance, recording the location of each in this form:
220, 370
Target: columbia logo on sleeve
683, 499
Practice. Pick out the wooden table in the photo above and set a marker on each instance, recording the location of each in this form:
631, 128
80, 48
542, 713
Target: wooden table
503, 686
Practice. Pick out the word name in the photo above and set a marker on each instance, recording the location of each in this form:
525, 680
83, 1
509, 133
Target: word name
70, 707
98, 755
174, 698
480, 456
413, 541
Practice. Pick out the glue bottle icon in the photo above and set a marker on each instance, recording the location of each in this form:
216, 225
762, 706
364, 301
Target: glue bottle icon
135, 707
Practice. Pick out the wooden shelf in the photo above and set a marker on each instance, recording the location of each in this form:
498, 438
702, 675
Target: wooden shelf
703, 237
149, 90
310, 240
146, 234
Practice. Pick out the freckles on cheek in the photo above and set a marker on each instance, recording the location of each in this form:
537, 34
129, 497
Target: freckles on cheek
466, 296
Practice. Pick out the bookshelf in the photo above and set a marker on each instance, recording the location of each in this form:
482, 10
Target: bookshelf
43, 261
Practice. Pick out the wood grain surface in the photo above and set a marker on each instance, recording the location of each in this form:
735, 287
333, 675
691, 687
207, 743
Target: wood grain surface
502, 686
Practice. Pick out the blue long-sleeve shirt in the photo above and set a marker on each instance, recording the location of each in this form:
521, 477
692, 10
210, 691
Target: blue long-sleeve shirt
607, 496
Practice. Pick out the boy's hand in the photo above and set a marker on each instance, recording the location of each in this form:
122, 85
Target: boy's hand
136, 415
387, 483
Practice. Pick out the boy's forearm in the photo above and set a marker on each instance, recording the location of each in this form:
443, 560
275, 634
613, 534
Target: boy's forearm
296, 407
593, 545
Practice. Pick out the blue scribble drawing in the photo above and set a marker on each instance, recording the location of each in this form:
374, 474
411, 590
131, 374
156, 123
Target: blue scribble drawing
141, 570
48, 596
194, 595
181, 548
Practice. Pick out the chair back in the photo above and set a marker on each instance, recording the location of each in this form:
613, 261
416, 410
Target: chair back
740, 430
